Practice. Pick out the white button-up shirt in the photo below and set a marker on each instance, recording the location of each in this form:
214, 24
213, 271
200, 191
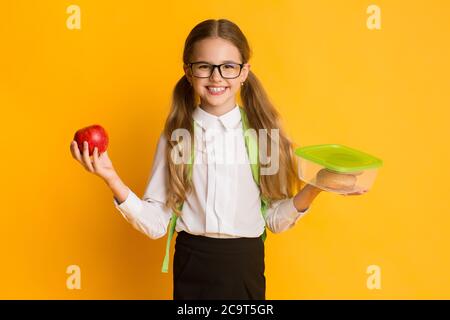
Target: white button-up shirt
225, 201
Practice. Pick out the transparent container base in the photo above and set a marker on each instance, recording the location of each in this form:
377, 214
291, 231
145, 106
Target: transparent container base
336, 182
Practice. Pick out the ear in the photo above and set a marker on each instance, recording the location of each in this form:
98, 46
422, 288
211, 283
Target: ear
187, 72
245, 71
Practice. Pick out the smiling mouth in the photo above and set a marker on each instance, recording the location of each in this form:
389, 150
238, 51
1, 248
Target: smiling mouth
216, 90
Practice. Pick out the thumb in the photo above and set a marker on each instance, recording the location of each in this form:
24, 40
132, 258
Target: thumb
105, 155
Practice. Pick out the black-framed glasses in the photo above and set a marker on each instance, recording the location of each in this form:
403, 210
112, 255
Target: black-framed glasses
205, 70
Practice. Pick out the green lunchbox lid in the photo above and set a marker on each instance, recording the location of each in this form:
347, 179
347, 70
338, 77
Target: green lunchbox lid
338, 157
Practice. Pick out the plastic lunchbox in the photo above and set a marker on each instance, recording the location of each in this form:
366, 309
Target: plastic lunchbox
337, 168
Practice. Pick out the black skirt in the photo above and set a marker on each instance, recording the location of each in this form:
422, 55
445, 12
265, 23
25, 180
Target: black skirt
211, 268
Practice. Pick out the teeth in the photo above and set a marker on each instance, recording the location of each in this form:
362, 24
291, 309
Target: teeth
216, 89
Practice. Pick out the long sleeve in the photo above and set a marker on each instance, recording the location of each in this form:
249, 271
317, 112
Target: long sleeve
283, 215
149, 214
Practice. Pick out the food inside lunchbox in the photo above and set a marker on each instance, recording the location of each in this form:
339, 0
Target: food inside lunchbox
337, 168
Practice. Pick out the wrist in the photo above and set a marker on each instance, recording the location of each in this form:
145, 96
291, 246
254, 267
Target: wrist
312, 189
113, 180
304, 198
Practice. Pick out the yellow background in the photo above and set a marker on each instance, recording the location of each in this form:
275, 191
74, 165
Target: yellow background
333, 80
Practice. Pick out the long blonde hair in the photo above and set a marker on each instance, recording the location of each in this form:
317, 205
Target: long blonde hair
260, 112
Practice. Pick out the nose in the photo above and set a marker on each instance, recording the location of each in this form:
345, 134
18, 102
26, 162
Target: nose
215, 75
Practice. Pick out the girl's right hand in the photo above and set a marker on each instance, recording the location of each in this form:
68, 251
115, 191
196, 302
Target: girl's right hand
100, 165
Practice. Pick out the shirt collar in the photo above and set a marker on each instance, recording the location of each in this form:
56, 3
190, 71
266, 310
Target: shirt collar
206, 120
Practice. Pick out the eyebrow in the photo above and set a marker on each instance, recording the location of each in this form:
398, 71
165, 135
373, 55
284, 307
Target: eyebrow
225, 61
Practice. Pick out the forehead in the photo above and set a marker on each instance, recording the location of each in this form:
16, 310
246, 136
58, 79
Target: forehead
215, 50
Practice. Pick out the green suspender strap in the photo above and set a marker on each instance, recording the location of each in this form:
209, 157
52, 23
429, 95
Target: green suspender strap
252, 151
174, 218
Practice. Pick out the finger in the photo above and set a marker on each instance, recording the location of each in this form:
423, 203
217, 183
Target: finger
95, 156
87, 160
357, 193
104, 154
72, 148
77, 154
75, 151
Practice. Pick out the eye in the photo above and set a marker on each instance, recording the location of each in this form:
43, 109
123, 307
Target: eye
229, 66
203, 66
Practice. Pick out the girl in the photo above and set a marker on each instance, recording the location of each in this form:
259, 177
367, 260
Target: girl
218, 252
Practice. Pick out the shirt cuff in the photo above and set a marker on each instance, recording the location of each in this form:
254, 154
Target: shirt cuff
131, 207
296, 213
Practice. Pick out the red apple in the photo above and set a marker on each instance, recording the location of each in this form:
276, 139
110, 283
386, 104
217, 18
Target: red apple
95, 135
